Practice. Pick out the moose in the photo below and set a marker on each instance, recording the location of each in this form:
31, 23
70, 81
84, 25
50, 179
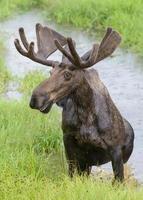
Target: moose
94, 132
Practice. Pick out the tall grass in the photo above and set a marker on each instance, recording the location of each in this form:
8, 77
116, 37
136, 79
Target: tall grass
12, 7
64, 189
30, 81
22, 127
29, 141
90, 15
124, 16
32, 161
4, 74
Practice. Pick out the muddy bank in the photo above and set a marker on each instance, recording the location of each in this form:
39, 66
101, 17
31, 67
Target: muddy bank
121, 73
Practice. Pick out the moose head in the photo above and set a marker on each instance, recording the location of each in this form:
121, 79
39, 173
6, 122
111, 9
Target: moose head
68, 75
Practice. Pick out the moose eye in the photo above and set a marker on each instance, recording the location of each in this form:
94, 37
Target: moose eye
67, 75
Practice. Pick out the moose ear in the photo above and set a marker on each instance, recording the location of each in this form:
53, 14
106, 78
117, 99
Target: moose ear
45, 40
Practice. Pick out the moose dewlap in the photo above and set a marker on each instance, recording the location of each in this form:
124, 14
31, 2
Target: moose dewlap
94, 132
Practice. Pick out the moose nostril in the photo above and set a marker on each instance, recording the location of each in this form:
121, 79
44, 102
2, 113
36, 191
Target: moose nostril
33, 102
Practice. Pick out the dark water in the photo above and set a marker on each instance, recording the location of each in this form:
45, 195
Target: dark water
121, 73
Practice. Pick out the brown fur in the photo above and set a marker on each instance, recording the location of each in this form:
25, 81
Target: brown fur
94, 132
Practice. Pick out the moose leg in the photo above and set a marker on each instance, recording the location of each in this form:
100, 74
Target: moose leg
117, 163
71, 168
69, 144
88, 170
83, 169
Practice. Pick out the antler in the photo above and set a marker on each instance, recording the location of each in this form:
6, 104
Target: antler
45, 43
98, 52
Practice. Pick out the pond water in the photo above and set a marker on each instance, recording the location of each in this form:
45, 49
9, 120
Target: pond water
122, 74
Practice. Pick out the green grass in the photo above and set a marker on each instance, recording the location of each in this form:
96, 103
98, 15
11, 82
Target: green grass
27, 128
4, 74
90, 15
13, 7
32, 160
30, 143
124, 16
65, 189
30, 81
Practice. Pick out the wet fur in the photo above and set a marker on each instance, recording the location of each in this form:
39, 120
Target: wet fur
94, 132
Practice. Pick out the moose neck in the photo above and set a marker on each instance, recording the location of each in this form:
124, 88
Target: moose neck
83, 100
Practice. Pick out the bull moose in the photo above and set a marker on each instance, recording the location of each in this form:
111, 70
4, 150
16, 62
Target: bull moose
94, 132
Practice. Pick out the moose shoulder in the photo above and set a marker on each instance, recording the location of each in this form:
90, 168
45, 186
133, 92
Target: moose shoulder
94, 131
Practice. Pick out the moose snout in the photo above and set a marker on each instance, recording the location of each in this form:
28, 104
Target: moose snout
34, 102
38, 101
